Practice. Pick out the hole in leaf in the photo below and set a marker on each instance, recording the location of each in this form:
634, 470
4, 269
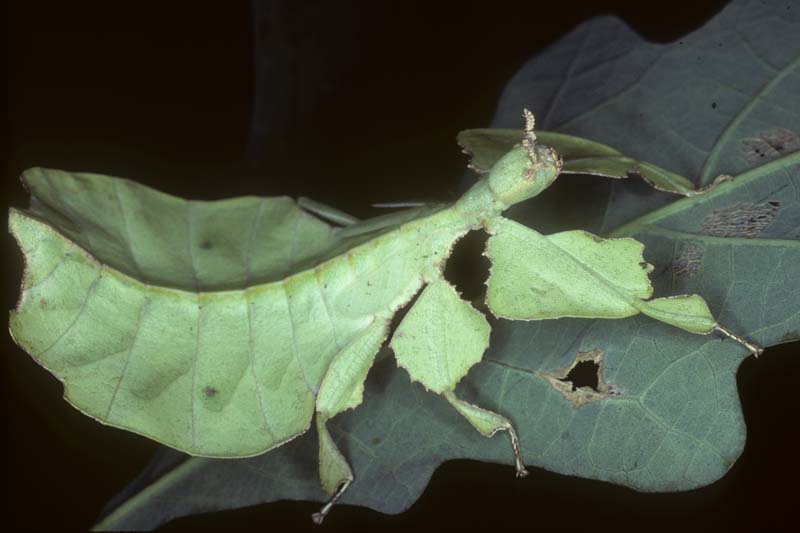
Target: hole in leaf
584, 374
467, 269
581, 382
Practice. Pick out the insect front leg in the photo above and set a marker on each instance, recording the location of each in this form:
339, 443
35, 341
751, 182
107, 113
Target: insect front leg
577, 274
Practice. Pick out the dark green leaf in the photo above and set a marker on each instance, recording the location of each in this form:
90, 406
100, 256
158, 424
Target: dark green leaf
666, 415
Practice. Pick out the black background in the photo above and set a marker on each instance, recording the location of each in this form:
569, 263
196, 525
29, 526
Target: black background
163, 94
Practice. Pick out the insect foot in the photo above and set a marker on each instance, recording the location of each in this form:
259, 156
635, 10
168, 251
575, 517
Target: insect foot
755, 349
320, 515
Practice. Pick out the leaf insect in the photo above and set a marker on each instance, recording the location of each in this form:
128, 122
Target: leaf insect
223, 328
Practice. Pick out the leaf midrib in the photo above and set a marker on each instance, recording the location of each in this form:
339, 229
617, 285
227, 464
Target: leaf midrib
726, 187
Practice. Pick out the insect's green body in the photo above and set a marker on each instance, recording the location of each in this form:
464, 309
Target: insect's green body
286, 332
229, 346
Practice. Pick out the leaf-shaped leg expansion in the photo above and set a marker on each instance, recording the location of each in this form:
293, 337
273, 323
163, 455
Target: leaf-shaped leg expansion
342, 388
577, 274
690, 312
438, 341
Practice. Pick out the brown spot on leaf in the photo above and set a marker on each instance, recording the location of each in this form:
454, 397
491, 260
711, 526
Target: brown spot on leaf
43, 302
582, 381
687, 260
210, 391
206, 245
770, 144
741, 220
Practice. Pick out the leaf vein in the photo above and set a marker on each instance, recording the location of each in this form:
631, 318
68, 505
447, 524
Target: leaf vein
711, 160
137, 329
252, 365
89, 291
127, 239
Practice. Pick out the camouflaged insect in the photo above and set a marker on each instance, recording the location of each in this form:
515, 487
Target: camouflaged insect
223, 328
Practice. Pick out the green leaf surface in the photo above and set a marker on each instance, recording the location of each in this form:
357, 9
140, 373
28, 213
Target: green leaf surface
665, 415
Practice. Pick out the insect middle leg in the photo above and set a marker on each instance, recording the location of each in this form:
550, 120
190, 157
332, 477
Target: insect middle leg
488, 423
438, 341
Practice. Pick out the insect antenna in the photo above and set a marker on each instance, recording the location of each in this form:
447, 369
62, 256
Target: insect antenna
530, 137
529, 142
